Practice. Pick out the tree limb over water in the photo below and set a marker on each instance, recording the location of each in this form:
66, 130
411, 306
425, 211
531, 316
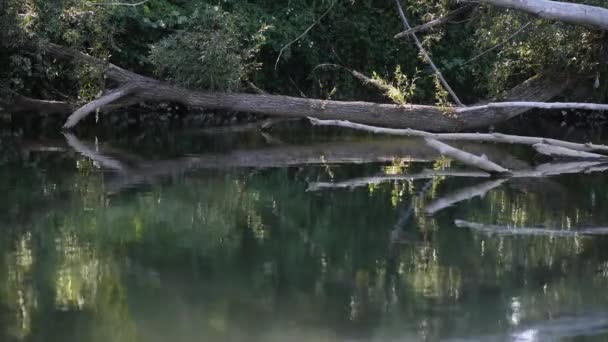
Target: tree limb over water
577, 14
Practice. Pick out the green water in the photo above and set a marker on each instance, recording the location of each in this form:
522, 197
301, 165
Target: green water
231, 237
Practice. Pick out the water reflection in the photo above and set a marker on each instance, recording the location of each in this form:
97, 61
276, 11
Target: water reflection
103, 245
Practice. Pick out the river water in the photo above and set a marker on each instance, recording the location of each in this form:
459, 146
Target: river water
293, 235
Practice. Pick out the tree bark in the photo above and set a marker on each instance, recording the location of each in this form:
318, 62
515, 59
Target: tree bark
422, 117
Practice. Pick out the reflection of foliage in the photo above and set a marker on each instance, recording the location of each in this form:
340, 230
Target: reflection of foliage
216, 248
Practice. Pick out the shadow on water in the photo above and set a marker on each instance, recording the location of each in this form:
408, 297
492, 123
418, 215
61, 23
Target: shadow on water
285, 237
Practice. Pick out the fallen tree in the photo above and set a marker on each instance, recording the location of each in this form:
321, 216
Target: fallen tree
134, 87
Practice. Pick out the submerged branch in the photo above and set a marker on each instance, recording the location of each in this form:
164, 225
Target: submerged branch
466, 158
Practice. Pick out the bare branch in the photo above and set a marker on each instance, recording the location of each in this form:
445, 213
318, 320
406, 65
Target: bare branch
97, 104
540, 105
303, 34
465, 157
499, 44
578, 14
557, 151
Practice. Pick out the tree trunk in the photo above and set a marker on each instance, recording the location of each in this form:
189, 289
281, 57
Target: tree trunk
421, 117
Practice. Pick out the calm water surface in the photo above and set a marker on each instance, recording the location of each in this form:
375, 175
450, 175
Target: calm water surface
285, 237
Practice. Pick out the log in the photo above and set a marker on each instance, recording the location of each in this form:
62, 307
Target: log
422, 117
533, 231
466, 158
577, 14
479, 137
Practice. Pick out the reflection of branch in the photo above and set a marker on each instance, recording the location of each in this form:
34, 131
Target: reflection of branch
544, 170
118, 3
509, 230
463, 195
138, 171
365, 181
101, 159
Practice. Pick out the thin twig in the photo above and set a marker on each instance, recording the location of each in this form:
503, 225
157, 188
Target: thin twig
426, 56
118, 3
436, 22
499, 44
303, 34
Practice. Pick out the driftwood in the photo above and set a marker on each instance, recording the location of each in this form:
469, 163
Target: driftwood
578, 14
508, 230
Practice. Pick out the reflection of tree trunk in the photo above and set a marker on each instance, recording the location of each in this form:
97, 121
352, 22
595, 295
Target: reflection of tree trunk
140, 172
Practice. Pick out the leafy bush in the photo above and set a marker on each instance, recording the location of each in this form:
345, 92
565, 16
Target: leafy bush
207, 54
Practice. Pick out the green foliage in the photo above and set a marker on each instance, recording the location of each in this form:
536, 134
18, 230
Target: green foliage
208, 52
442, 97
401, 90
541, 47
